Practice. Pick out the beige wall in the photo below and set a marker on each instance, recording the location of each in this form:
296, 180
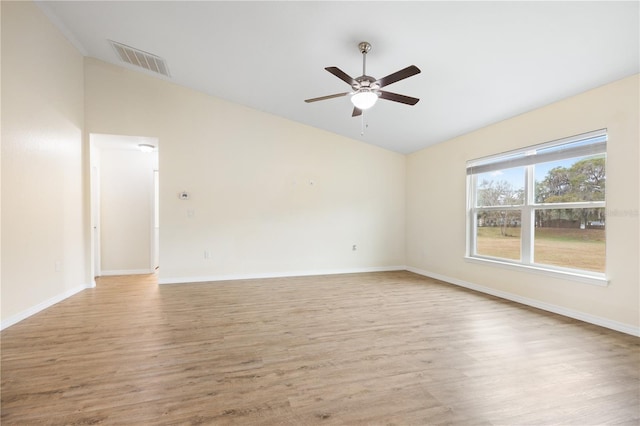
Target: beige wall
268, 196
436, 188
43, 252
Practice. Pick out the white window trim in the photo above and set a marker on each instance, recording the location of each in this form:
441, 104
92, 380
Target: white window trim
527, 231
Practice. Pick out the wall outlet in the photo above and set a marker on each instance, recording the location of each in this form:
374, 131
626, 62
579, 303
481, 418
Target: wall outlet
207, 254
354, 247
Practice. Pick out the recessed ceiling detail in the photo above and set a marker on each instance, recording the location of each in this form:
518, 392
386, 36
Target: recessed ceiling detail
140, 58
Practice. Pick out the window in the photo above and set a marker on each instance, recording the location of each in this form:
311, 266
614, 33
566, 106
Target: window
541, 207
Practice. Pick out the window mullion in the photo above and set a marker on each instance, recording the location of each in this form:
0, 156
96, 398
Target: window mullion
571, 205
526, 231
473, 214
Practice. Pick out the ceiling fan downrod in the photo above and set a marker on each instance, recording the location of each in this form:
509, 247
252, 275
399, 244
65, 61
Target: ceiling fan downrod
364, 48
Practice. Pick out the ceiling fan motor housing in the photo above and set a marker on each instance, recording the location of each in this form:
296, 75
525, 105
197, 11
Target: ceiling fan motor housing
365, 81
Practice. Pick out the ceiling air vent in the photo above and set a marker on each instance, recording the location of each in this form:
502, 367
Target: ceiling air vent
140, 58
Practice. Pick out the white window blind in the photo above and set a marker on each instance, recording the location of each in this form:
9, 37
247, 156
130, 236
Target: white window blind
582, 145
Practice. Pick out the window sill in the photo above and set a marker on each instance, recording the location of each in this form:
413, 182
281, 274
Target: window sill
593, 279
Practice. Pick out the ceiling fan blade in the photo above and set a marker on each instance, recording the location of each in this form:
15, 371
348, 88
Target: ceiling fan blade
398, 98
342, 75
322, 98
398, 75
356, 112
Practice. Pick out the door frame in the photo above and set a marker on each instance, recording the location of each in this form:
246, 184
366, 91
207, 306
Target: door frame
95, 203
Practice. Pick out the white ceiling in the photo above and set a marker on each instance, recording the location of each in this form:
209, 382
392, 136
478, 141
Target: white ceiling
481, 62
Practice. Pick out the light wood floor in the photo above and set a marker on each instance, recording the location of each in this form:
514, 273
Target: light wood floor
379, 348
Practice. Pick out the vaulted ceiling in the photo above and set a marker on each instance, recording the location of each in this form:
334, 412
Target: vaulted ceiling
481, 62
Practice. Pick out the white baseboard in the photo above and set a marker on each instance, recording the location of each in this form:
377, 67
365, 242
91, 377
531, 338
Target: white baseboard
42, 306
126, 272
232, 277
582, 316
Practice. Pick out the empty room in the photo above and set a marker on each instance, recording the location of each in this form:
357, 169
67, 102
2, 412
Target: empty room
298, 213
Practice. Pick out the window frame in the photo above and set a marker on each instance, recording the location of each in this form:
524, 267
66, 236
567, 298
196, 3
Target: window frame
591, 143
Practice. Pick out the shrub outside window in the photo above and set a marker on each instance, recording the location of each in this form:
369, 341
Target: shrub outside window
541, 206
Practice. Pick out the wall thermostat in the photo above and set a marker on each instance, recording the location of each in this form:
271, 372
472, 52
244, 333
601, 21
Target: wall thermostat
184, 195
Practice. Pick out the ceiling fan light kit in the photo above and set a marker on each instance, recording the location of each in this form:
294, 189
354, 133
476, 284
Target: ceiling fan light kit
364, 99
366, 89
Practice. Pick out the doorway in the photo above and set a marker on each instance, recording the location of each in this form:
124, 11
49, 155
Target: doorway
124, 204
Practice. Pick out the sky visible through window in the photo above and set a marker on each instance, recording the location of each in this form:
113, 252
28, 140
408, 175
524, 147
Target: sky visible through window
515, 175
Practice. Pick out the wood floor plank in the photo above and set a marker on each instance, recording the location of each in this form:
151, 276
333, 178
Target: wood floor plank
375, 348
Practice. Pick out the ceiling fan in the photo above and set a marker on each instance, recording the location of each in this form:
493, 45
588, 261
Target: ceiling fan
366, 89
